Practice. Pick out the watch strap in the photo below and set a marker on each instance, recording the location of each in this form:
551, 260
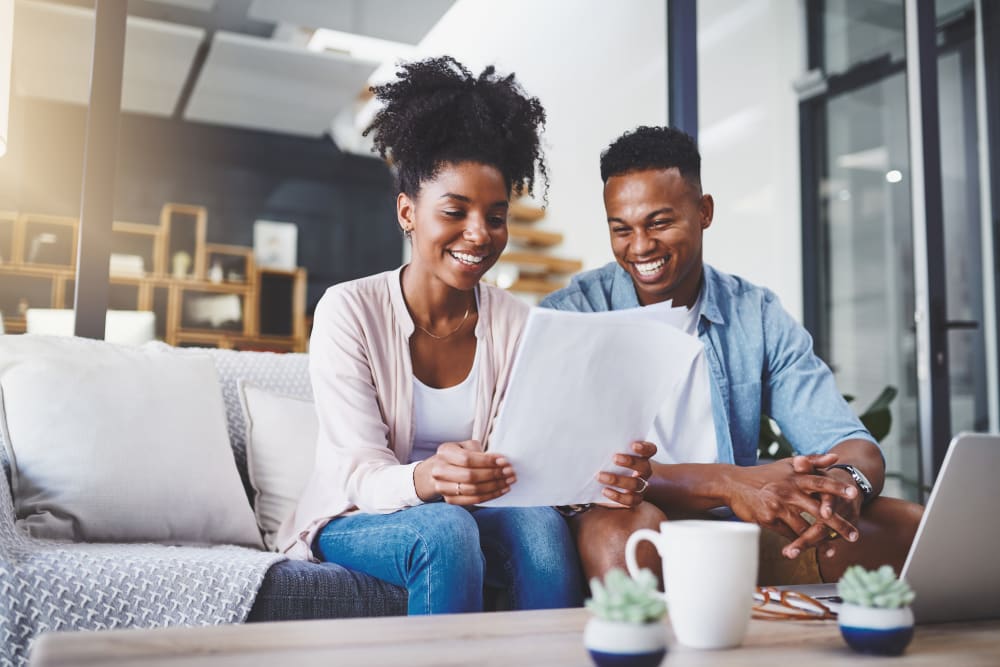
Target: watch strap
573, 510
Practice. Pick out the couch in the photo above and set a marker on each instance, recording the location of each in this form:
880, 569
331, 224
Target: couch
58, 585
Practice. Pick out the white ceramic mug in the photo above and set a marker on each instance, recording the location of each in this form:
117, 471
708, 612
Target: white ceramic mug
709, 573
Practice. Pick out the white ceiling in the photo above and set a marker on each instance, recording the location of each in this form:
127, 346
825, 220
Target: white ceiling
261, 84
255, 70
202, 5
54, 45
404, 21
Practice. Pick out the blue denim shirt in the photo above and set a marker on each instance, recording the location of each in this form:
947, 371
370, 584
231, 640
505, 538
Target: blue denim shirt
760, 360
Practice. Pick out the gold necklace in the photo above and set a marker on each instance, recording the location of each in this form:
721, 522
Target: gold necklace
450, 334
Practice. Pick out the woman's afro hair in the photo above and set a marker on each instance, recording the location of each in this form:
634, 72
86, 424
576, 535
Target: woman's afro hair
436, 112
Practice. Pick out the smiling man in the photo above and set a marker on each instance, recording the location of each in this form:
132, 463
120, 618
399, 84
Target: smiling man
821, 510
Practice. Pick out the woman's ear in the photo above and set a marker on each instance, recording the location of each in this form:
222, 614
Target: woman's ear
405, 212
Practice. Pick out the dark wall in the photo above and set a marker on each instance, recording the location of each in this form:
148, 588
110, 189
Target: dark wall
344, 205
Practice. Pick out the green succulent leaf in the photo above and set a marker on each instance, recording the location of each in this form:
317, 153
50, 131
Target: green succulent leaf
624, 599
877, 588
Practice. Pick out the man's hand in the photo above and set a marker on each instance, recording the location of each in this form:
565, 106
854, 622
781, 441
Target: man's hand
462, 474
626, 490
830, 505
775, 495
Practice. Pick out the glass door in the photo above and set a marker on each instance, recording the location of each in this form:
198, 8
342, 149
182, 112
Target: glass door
869, 337
856, 160
963, 255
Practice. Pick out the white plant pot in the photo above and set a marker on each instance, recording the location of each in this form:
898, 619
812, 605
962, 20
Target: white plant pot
876, 631
620, 644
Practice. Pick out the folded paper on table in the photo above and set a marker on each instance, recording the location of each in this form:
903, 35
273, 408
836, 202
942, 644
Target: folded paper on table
584, 386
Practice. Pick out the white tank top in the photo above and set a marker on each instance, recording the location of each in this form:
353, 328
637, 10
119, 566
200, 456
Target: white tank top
443, 415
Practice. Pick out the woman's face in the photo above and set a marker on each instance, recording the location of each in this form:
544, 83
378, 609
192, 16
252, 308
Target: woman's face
457, 223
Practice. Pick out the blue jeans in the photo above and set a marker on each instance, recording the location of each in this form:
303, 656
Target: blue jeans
444, 554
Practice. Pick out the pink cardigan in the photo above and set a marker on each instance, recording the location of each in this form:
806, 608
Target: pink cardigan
362, 379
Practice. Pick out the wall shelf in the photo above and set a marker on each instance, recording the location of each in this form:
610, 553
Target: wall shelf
539, 286
535, 261
237, 306
525, 212
46, 241
183, 229
526, 235
526, 267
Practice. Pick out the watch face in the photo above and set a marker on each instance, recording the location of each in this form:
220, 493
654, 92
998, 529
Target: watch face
860, 478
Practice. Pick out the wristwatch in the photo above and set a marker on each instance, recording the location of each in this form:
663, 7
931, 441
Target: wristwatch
859, 478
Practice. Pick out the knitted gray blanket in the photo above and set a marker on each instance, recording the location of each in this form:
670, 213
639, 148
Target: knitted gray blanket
50, 586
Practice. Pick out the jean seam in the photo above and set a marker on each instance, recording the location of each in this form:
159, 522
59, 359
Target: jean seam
419, 538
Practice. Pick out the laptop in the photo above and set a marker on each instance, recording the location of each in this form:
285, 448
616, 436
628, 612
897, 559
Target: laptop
953, 564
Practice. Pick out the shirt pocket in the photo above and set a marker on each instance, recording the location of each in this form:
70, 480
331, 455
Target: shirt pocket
744, 421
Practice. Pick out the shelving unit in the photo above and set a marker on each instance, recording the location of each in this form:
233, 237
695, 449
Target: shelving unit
537, 272
215, 297
7, 219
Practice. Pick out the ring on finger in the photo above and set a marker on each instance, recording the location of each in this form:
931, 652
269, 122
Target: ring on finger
645, 485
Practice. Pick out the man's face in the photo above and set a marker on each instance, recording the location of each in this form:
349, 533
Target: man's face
656, 219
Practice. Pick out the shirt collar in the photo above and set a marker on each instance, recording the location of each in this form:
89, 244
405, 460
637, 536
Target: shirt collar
392, 279
710, 295
622, 290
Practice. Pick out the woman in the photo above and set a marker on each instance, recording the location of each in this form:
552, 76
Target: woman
408, 367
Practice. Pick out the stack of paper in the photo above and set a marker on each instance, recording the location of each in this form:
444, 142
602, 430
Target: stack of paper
584, 386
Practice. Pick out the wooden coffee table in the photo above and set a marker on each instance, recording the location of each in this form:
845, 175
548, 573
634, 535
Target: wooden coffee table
551, 638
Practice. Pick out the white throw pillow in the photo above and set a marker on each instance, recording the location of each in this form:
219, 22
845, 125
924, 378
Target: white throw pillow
114, 443
281, 453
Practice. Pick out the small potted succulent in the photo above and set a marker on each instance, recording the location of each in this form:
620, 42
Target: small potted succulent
875, 617
626, 629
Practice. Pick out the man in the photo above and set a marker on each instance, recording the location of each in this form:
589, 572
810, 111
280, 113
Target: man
820, 511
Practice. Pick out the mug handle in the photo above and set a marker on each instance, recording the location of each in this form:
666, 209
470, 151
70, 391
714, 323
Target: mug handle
633, 542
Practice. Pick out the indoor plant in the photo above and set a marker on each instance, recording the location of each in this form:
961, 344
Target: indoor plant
875, 617
626, 629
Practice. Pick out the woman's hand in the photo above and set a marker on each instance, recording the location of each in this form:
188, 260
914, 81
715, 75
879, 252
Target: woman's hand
626, 490
462, 474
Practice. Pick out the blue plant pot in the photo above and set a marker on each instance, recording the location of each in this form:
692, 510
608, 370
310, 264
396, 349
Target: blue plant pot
876, 631
618, 644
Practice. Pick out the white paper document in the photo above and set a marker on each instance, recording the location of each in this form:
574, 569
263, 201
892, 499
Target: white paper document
584, 386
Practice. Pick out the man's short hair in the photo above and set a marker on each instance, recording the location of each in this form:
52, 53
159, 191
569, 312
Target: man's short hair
653, 148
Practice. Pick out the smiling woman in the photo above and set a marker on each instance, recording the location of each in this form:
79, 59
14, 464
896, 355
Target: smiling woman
408, 366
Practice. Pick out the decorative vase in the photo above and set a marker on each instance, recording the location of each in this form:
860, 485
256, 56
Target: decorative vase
620, 644
181, 264
876, 631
